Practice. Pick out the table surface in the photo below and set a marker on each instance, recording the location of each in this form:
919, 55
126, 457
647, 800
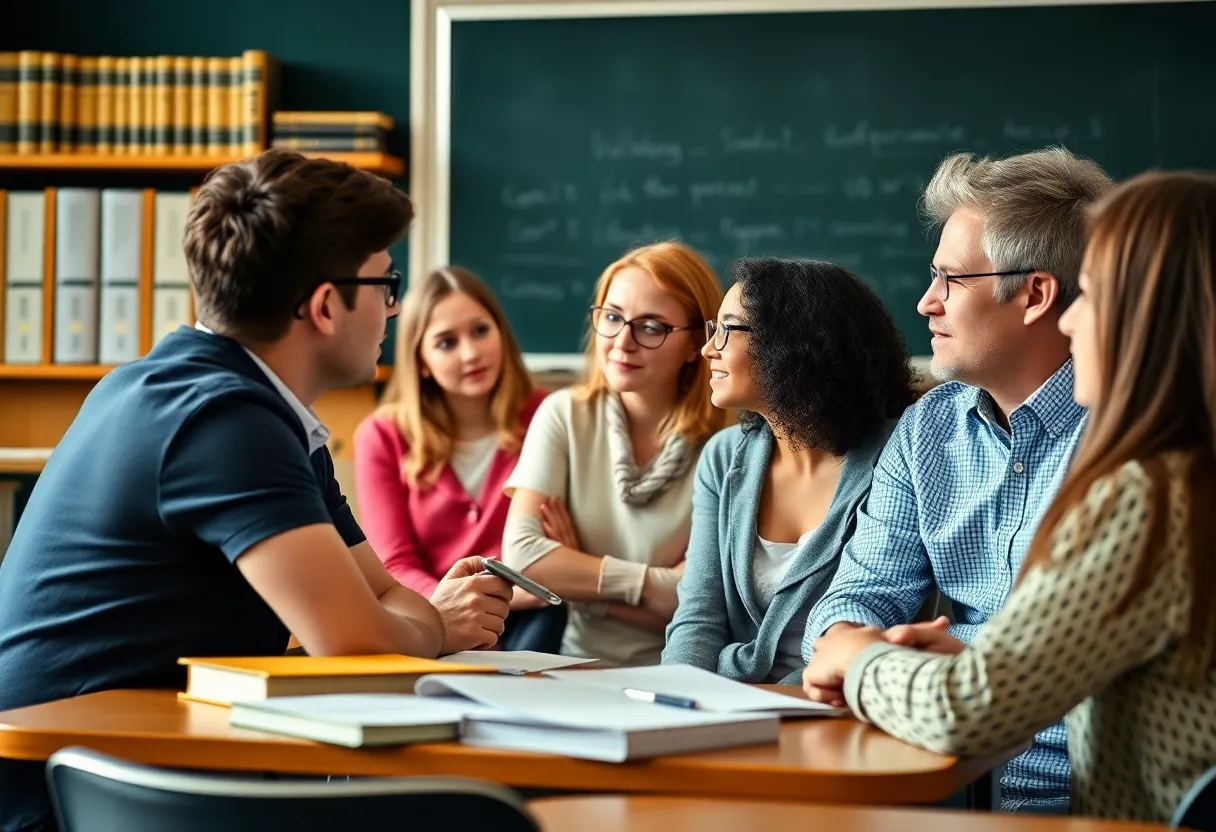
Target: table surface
816, 760
648, 813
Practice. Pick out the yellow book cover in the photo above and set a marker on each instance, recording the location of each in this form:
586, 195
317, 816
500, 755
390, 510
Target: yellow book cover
8, 101
162, 106
179, 140
48, 110
147, 81
260, 94
354, 118
198, 106
69, 71
107, 100
137, 117
122, 106
217, 106
86, 105
29, 101
236, 106
3, 260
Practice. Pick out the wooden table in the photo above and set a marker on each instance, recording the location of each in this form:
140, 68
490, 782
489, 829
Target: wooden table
682, 814
816, 760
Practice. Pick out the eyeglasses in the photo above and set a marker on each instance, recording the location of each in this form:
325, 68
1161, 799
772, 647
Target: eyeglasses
941, 281
391, 283
718, 334
646, 332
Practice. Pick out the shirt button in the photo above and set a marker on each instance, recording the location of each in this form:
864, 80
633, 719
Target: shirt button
1018, 468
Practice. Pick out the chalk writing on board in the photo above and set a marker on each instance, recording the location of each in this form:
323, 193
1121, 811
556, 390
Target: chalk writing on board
655, 188
519, 231
624, 145
523, 197
615, 235
760, 140
698, 192
538, 259
514, 287
880, 141
905, 282
806, 225
1029, 132
788, 189
750, 238
614, 191
868, 228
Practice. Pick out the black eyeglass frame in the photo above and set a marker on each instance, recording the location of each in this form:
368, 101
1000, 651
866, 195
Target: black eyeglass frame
713, 327
943, 294
391, 283
627, 322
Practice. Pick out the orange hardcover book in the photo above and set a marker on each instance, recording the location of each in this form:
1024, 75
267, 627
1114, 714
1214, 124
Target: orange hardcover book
222, 681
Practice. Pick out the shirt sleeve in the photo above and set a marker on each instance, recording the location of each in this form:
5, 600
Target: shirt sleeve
384, 498
1056, 642
699, 631
884, 571
339, 509
543, 467
236, 474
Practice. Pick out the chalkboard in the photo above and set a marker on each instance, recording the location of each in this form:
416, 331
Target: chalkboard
806, 134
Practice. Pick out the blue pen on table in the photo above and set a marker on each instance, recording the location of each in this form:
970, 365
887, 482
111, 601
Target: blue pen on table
661, 698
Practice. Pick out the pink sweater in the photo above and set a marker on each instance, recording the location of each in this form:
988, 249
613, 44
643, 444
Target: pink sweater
420, 532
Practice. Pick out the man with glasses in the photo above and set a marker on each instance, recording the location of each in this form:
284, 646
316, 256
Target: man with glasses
191, 508
960, 487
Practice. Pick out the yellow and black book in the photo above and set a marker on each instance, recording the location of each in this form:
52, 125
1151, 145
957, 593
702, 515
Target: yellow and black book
217, 106
198, 106
136, 119
69, 70
162, 110
148, 92
236, 107
107, 101
332, 144
8, 101
48, 110
179, 138
29, 101
122, 106
305, 120
86, 104
261, 94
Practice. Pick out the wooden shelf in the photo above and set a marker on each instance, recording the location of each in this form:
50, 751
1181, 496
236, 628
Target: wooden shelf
92, 372
381, 163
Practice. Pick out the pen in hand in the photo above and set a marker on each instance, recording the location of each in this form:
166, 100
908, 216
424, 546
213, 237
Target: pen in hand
661, 698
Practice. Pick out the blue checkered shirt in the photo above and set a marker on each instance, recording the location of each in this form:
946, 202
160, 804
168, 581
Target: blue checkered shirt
955, 502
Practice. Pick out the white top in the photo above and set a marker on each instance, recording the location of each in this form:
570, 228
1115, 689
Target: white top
471, 461
566, 454
770, 562
317, 433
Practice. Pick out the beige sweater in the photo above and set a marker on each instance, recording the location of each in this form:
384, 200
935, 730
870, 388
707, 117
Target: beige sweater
1139, 733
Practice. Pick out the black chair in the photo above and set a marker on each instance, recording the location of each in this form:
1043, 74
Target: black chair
1197, 810
93, 792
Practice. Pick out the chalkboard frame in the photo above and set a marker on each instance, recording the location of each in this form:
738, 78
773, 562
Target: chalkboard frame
431, 93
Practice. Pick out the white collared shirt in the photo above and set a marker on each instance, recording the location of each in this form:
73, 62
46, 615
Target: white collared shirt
317, 433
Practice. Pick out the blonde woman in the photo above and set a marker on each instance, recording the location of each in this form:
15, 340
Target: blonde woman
602, 494
1112, 621
431, 462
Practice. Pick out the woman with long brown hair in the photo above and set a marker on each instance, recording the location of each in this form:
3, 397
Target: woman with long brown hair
430, 463
1112, 622
602, 494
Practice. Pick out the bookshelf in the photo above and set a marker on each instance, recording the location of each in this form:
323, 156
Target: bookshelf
380, 163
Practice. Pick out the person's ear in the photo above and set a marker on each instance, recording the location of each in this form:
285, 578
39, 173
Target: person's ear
1042, 293
318, 309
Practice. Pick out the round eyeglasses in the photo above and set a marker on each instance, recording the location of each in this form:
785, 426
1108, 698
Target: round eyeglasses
718, 334
646, 332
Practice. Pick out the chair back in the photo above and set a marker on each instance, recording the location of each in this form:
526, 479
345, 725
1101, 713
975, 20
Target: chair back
94, 792
1197, 810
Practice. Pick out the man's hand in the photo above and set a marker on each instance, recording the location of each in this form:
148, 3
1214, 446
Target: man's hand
835, 650
931, 636
473, 607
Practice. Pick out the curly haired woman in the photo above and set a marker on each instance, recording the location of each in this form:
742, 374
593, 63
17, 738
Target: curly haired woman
820, 372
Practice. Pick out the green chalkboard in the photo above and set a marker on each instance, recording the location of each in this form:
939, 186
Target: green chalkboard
806, 134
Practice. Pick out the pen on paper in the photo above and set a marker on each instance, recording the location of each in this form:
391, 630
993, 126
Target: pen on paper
661, 698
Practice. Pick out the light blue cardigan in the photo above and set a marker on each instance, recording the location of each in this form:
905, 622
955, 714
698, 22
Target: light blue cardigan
717, 625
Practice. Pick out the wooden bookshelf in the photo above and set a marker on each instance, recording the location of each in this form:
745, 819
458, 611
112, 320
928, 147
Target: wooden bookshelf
90, 372
381, 163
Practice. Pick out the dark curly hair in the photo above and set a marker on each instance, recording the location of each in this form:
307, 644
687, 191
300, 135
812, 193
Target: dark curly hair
827, 359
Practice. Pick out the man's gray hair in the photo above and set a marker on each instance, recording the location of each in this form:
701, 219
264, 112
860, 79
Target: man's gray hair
1033, 206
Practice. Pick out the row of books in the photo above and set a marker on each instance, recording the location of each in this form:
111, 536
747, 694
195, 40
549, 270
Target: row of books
74, 278
52, 102
332, 131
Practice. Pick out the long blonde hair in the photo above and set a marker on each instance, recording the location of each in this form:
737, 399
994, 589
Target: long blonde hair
1151, 261
683, 273
417, 403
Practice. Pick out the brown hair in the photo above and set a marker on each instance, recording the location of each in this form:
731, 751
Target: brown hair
679, 270
265, 232
417, 404
1151, 262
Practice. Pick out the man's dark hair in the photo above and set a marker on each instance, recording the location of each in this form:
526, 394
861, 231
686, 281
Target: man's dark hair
827, 359
263, 233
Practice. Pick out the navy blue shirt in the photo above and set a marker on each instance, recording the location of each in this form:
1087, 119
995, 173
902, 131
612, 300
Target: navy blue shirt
124, 558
